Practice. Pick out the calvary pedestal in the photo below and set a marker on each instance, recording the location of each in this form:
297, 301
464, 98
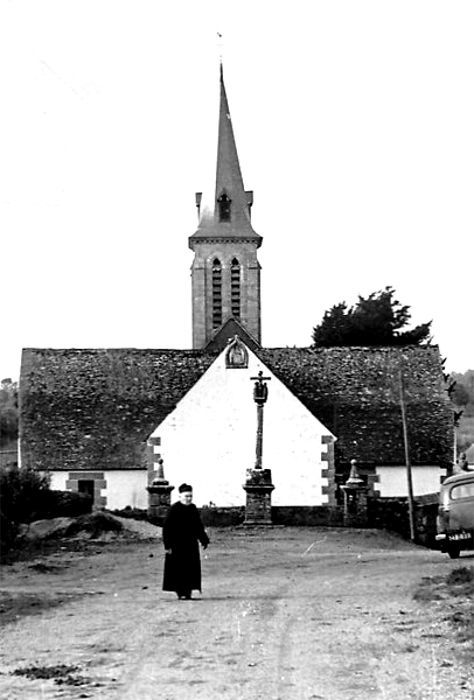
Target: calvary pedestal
259, 487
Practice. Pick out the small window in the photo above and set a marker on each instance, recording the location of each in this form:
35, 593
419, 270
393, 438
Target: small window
224, 207
462, 491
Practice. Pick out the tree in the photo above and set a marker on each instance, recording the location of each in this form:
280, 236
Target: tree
377, 320
8, 411
463, 399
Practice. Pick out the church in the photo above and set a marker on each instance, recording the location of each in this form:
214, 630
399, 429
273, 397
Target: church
104, 421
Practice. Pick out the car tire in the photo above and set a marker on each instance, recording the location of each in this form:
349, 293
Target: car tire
454, 552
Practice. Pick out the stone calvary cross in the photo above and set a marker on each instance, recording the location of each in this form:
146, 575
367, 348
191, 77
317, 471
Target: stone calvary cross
260, 396
258, 485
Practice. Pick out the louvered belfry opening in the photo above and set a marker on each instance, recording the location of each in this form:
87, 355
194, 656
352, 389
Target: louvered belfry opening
235, 288
216, 293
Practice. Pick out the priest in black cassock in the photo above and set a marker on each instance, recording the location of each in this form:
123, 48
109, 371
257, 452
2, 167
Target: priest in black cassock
182, 532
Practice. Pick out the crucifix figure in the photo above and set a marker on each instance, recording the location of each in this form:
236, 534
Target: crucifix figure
260, 395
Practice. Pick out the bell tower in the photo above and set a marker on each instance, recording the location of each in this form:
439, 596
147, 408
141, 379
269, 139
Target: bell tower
225, 273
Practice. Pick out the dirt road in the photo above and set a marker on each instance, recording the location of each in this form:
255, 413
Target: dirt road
286, 614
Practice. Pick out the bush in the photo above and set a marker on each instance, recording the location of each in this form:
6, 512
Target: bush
20, 492
62, 504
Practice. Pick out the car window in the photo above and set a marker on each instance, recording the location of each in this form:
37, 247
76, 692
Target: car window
462, 491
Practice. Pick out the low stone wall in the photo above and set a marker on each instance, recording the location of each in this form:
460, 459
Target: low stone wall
222, 517
307, 516
393, 514
303, 516
382, 513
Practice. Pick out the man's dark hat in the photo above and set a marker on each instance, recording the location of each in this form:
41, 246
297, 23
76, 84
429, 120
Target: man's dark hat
185, 487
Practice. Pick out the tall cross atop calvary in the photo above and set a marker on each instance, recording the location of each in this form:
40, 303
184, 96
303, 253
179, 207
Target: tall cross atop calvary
260, 396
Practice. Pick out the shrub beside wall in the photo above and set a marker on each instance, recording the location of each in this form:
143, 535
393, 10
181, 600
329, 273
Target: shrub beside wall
62, 504
20, 490
25, 496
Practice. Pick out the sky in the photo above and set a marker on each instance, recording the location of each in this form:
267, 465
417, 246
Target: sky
354, 126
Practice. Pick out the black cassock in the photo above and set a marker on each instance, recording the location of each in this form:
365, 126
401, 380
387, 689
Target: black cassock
182, 532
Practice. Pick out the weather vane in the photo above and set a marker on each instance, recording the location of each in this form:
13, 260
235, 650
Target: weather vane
220, 45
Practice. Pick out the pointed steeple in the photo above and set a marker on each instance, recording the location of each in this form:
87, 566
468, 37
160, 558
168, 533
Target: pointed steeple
225, 273
228, 212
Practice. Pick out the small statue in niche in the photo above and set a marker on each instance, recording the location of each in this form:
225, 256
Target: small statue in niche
237, 355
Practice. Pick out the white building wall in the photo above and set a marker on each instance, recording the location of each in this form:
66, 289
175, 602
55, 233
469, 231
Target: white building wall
124, 487
392, 481
209, 440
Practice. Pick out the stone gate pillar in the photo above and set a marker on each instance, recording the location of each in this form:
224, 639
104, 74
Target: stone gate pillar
355, 499
159, 489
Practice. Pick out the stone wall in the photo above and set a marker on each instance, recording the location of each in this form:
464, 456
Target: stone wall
393, 514
291, 516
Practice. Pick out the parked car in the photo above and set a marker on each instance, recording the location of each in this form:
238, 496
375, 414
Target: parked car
455, 523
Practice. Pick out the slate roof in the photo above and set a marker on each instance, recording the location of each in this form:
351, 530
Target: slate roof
355, 393
83, 409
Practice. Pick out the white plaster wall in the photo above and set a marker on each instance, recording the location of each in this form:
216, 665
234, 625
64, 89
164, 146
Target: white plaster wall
209, 440
393, 481
124, 487
57, 481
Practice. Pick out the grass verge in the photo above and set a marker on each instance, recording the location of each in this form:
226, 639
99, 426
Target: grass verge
454, 596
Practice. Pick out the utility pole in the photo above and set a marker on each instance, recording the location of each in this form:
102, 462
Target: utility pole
411, 505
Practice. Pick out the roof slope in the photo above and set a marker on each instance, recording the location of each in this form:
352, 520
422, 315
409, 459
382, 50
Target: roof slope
355, 393
97, 407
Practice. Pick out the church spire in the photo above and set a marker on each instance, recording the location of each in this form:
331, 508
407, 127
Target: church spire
228, 213
225, 273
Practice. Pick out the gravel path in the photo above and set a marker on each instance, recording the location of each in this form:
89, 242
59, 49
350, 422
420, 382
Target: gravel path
286, 614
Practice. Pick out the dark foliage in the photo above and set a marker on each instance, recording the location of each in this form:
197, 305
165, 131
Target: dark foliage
8, 411
377, 320
20, 491
61, 504
462, 396
25, 496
